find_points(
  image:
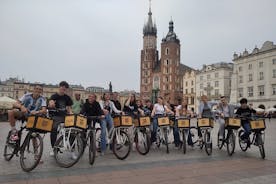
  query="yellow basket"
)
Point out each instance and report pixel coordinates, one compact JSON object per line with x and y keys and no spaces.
{"x":40,"y":124}
{"x":234,"y":123}
{"x":183,"y":123}
{"x":144,"y":121}
{"x":205,"y":122}
{"x":78,"y":121}
{"x":257,"y":124}
{"x":164,"y":121}
{"x":122,"y":121}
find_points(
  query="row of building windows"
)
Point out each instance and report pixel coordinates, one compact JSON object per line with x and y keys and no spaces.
{"x":261,"y":76}
{"x":209,"y":76}
{"x":250,"y":91}
{"x":187,"y":83}
{"x":260,"y":65}
{"x":209,"y":93}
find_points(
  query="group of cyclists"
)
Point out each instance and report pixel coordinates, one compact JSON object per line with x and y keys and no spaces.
{"x":61,"y":104}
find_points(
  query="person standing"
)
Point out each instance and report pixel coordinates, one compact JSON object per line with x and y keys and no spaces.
{"x":77,"y":103}
{"x":61,"y":102}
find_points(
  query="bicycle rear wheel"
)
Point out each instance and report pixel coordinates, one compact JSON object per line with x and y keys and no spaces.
{"x":98,"y":139}
{"x":92,"y":147}
{"x":166,"y":140}
{"x":208,"y":142}
{"x":10,"y":148}
{"x":184,"y":145}
{"x":220,"y":142}
{"x":121,"y":145}
{"x":260,"y":144}
{"x":142,"y":142}
{"x":231,"y":142}
{"x":31,"y":151}
{"x":68,"y":151}
{"x":193,"y":132}
{"x":243,"y":143}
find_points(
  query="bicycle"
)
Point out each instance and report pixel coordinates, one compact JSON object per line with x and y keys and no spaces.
{"x":34,"y":126}
{"x":206,"y":125}
{"x":89,"y":138}
{"x":69,"y":145}
{"x":117,"y":137}
{"x":141,"y":137}
{"x":163,"y":131}
{"x":231,"y":126}
{"x":257,"y":127}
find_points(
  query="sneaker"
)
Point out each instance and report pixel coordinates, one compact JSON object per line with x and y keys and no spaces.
{"x":14,"y":136}
{"x":52,"y":153}
{"x":74,"y":156}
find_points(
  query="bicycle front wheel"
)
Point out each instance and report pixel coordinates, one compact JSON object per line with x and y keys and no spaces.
{"x":92,"y":147}
{"x":31,"y":151}
{"x":166,"y":140}
{"x":68,"y":150}
{"x":121,"y":145}
{"x":220,"y":141}
{"x":208,"y":142}
{"x":243,"y":143}
{"x":142,"y":142}
{"x":231,"y":142}
{"x":184,"y":142}
{"x":260,"y":144}
{"x":10,"y":148}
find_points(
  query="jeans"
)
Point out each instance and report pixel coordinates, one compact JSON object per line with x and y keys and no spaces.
{"x":154,"y":129}
{"x":53,"y":135}
{"x":247,"y":130}
{"x":107,"y":122}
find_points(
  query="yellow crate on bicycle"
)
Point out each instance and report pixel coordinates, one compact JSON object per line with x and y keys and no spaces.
{"x":163,"y":121}
{"x":258,"y":124}
{"x":76,"y":120}
{"x":183,"y":123}
{"x":205,"y":122}
{"x":143,"y":121}
{"x":122,"y":121}
{"x":234,"y":123}
{"x":40,"y":124}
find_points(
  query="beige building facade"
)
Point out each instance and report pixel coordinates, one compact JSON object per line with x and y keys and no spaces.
{"x":254,"y":76}
{"x":189,"y":88}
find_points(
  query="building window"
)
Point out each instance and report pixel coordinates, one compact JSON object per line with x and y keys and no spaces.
{"x":261,"y":75}
{"x":240,"y":91}
{"x":216,"y":75}
{"x":186,"y":91}
{"x":201,"y":86}
{"x":216,"y":92}
{"x":240,"y":79}
{"x":192,"y":83}
{"x":261,"y":64}
{"x":274,"y":61}
{"x":250,"y":91}
{"x":273,"y":89}
{"x":201,"y":78}
{"x":261,"y":90}
{"x":167,"y":70}
{"x":250,"y":66}
{"x":240,"y":69}
{"x":192,"y":100}
{"x":208,"y":84}
{"x":274,"y":73}
{"x":167,"y":51}
{"x":208,"y":76}
{"x":167,"y":79}
{"x":216,"y":83}
{"x":250,"y":77}
{"x":186,"y":83}
{"x":192,"y":90}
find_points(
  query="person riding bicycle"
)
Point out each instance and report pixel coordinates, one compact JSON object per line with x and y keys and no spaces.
{"x":61,"y":102}
{"x":159,"y":109}
{"x":148,"y":107}
{"x":130,"y":106}
{"x":29,"y":104}
{"x":181,"y":111}
{"x":245,"y":113}
{"x":205,"y":111}
{"x":225,"y":111}
{"x":108,"y":107}
{"x":92,"y":108}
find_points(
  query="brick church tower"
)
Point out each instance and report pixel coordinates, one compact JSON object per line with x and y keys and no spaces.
{"x":149,"y":58}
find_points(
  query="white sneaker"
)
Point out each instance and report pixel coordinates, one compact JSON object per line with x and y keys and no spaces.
{"x":74,"y":156}
{"x":52,"y":153}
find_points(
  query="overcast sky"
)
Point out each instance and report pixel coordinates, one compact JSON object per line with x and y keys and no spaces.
{"x":92,"y":42}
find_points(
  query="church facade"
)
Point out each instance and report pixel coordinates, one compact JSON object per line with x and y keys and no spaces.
{"x":161,"y":76}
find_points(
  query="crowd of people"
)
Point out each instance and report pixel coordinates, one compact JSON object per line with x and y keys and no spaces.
{"x":34,"y":103}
